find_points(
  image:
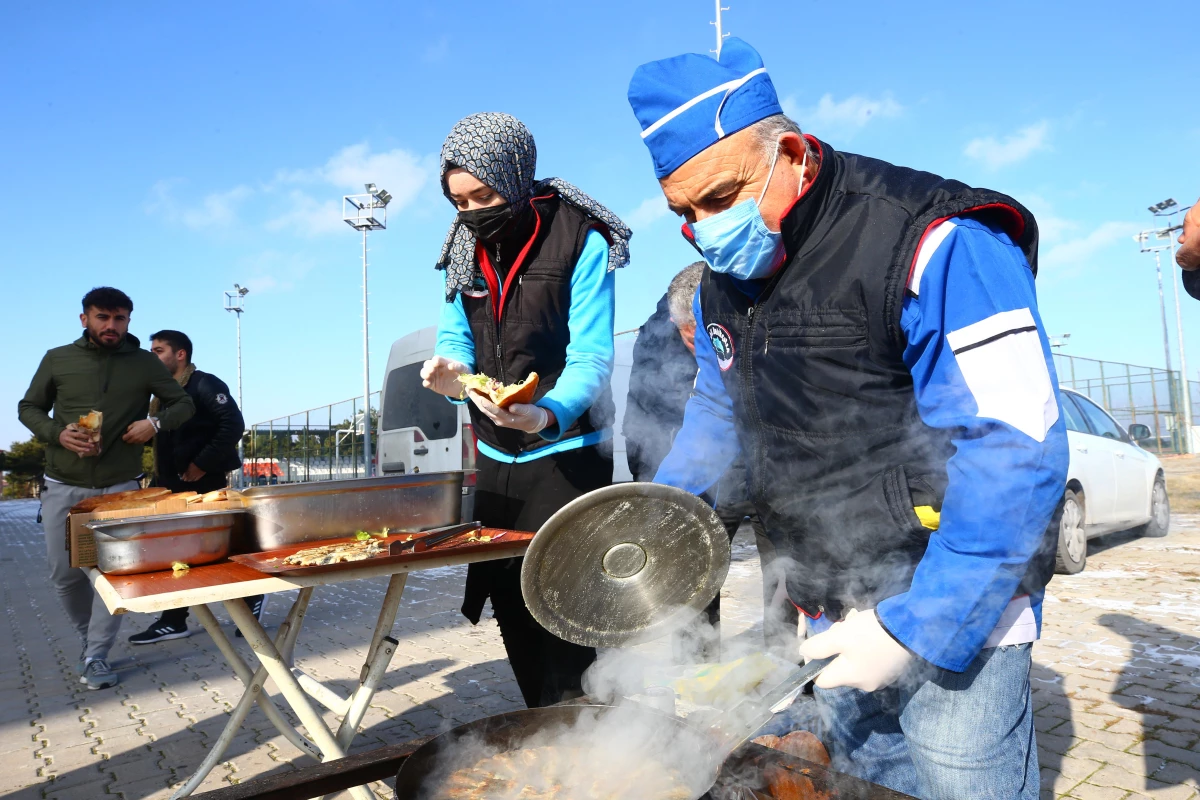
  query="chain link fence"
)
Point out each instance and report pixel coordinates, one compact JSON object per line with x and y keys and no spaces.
{"x":1132,"y":394}
{"x":320,"y":444}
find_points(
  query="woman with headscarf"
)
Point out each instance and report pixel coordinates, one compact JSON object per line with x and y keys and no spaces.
{"x":529,"y":288}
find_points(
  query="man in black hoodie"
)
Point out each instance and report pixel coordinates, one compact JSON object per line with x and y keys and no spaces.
{"x":197,"y":456}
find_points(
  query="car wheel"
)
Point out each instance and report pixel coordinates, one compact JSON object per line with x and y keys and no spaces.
{"x":1072,"y":536}
{"x":1160,"y":511}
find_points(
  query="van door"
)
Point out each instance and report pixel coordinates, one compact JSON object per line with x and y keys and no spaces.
{"x":419,"y":430}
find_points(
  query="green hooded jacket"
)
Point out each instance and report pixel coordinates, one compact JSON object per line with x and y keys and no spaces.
{"x":81,"y":377}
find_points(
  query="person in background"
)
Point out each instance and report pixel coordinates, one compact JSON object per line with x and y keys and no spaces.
{"x":1188,"y":254}
{"x":197,"y":456}
{"x":660,"y":383}
{"x":869,"y":341}
{"x":104,"y":370}
{"x":529,"y":288}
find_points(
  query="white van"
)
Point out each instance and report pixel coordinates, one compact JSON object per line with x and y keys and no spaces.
{"x":420,"y":431}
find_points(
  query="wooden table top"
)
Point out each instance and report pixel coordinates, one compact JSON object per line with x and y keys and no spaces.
{"x":152,"y":592}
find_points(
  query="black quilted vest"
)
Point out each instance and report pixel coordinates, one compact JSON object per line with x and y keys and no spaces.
{"x":826,"y":415}
{"x":521,"y":326}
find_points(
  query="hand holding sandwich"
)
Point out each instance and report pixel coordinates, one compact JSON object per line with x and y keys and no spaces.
{"x":78,"y":441}
{"x":520,"y":416}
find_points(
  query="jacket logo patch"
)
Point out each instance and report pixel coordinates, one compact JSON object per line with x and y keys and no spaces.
{"x":222,"y":399}
{"x":722,"y":344}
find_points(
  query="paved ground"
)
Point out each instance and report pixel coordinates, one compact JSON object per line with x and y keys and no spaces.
{"x":1116,"y":679}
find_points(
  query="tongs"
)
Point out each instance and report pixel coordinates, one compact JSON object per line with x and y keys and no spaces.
{"x":427,"y":539}
{"x":741,"y":722}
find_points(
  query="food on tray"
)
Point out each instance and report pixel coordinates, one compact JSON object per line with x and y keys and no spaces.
{"x":335,"y":553}
{"x":800,"y":744}
{"x":363,"y":536}
{"x":179,"y":568}
{"x":91,"y":503}
{"x":503,"y":395}
{"x":555,"y":772}
{"x":211,"y":497}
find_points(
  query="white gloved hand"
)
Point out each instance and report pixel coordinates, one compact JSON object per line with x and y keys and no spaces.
{"x":520,"y":416}
{"x":868,"y":658}
{"x":441,"y":375}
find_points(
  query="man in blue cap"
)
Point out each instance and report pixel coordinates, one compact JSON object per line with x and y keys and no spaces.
{"x":872,"y":346}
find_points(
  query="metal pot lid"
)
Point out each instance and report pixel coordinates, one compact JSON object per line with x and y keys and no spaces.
{"x":625,"y":564}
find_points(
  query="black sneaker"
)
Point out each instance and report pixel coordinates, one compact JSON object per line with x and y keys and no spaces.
{"x":98,"y":675}
{"x":257,"y":604}
{"x":160,"y":632}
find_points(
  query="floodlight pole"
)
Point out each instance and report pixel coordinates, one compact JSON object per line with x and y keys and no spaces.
{"x":1143,"y":239}
{"x":358,"y":211}
{"x":1175,"y":287}
{"x":235,"y":302}
{"x":720,"y":33}
{"x":367,"y":471}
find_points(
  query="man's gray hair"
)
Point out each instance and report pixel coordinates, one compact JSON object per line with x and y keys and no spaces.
{"x":681,"y":291}
{"x":767,"y":132}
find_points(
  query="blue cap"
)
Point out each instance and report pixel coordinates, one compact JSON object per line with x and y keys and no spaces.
{"x":688,"y":103}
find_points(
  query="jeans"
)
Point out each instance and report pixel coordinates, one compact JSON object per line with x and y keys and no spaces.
{"x":941,"y":735}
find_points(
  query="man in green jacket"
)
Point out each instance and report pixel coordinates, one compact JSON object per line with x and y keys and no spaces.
{"x":104,"y":370}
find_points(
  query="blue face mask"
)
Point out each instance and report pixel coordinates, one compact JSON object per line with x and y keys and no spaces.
{"x":737,"y":242}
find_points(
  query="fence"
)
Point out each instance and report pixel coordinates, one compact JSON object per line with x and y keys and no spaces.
{"x":1132,"y":394}
{"x":325,"y":443}
{"x":320,"y":444}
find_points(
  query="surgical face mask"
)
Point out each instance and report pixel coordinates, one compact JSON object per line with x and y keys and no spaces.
{"x":491,"y":224}
{"x":737,"y":241}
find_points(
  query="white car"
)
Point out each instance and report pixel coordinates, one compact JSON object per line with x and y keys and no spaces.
{"x":1112,"y":484}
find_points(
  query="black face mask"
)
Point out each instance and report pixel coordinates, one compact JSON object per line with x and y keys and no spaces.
{"x":492,"y":224}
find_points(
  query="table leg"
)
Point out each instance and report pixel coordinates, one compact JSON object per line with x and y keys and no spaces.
{"x":387,"y":618}
{"x":285,"y":640}
{"x":277,"y":668}
{"x":285,"y":637}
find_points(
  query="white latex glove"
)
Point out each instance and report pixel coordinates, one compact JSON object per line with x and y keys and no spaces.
{"x":868,"y":658}
{"x":441,"y":375}
{"x":521,"y":416}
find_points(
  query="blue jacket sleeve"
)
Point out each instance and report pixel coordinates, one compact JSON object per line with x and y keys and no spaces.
{"x":590,"y":352}
{"x":982,"y":368}
{"x":454,"y":339}
{"x":707,"y":443}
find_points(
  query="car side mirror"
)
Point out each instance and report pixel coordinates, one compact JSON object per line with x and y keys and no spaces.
{"x":1139,"y":432}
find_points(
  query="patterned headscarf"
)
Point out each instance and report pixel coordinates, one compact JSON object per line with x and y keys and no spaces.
{"x":499,"y":150}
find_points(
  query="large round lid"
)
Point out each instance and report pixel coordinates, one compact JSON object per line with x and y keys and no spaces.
{"x":625,"y":564}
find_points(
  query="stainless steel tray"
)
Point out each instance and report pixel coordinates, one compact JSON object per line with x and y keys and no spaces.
{"x":278,"y":516}
{"x":153,"y":543}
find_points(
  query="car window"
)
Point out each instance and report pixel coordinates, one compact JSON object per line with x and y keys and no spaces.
{"x":1102,"y":424}
{"x":1074,"y":417}
{"x":408,"y":404}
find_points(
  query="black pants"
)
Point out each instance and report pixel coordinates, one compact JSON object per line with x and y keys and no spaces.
{"x":177,"y":617}
{"x":522,"y":497}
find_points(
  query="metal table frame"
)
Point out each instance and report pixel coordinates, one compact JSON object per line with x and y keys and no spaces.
{"x":275,"y":656}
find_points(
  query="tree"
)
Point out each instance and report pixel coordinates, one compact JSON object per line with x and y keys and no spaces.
{"x":25,"y":463}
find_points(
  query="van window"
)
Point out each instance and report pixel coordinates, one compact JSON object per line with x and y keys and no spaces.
{"x":408,"y":404}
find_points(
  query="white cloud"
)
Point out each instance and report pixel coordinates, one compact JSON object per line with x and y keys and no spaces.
{"x":274,"y":271}
{"x":844,"y":117}
{"x":304,"y":215}
{"x":995,"y":153}
{"x":216,"y":210}
{"x":304,"y":201}
{"x":650,"y":211}
{"x":1072,"y":255}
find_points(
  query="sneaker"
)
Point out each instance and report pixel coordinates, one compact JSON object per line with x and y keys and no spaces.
{"x":160,"y":632}
{"x":98,"y":675}
{"x":257,"y":605}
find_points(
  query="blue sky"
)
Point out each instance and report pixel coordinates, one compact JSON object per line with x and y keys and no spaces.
{"x":172,"y":149}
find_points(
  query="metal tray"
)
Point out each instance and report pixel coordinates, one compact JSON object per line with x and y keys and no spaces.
{"x":271,"y":562}
{"x":155,"y":542}
{"x":297,"y":513}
